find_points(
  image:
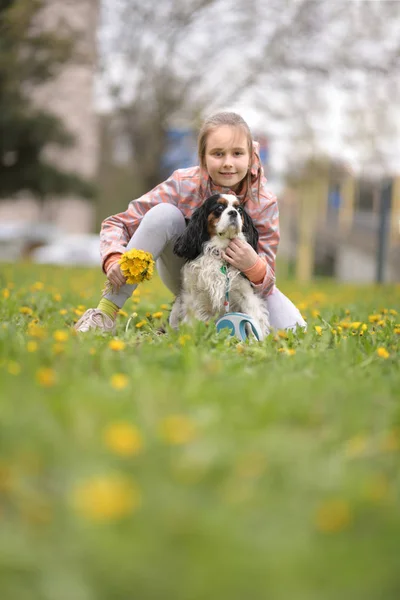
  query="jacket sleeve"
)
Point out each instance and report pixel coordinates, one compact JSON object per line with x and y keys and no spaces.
{"x":117,"y":230}
{"x":267,"y":224}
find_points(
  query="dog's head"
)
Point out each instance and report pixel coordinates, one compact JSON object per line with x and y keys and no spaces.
{"x":221,"y":216}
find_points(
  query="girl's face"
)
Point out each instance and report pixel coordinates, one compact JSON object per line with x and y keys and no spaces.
{"x":227,"y":156}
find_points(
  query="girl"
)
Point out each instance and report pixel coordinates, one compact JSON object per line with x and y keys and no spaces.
{"x":229,"y":163}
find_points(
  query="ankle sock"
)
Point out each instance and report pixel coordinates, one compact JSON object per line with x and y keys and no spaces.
{"x":109,"y":308}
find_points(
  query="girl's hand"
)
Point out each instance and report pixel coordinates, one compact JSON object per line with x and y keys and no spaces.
{"x":240,"y":254}
{"x":115,"y":276}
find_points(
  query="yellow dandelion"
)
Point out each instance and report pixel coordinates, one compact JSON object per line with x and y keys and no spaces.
{"x":26,"y":310}
{"x":315,"y":313}
{"x":140,"y":324}
{"x":382,"y":352}
{"x":397,"y":330}
{"x":123,"y":439}
{"x":177,"y":429}
{"x":6,"y":293}
{"x":381,"y":323}
{"x":37,"y":286}
{"x":164,"y":306}
{"x":58,"y":348}
{"x":183,"y":339}
{"x":37,"y":331}
{"x":333,"y":516}
{"x":92,"y":351}
{"x":122,"y":313}
{"x":356,"y":324}
{"x":391,"y":441}
{"x":119,"y":381}
{"x":116,"y":345}
{"x":106,"y":498}
{"x":57,"y":297}
{"x":60,"y":335}
{"x":63,"y":311}
{"x":373,"y":318}
{"x":318,"y":329}
{"x":137,"y":265}
{"x":392,"y":311}
{"x":31,"y":346}
{"x":283,"y":334}
{"x":13,"y":368}
{"x":356,"y":446}
{"x":78,"y":312}
{"x":46,"y":377}
{"x":157,"y":315}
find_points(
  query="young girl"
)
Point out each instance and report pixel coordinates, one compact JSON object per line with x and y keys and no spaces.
{"x":229,"y":163}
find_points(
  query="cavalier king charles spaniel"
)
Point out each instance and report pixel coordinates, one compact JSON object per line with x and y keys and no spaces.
{"x":207,"y":280}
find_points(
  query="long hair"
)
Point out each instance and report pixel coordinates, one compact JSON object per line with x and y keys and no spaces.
{"x":234,"y":120}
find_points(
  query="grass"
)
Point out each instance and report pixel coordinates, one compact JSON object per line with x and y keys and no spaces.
{"x":188,"y":465}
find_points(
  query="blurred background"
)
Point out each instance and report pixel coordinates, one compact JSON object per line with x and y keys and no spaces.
{"x":100,"y":100}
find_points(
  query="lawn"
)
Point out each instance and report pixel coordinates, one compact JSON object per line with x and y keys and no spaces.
{"x":189,"y":466}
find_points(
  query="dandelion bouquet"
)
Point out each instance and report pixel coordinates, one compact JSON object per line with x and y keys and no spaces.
{"x":136,"y":266}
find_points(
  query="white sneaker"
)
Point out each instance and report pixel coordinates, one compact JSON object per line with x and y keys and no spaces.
{"x":95,"y":319}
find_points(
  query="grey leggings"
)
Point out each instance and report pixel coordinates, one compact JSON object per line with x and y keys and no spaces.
{"x":157,"y":233}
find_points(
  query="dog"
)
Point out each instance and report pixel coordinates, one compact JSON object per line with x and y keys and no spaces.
{"x":208,"y":281}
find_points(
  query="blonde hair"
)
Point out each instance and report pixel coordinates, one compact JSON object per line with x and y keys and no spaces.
{"x":217,"y":120}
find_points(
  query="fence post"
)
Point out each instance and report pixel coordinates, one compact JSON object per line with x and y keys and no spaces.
{"x":384,"y":216}
{"x":306,"y":231}
{"x":346,"y":209}
{"x":395,"y":214}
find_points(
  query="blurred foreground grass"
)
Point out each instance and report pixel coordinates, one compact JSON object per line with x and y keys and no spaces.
{"x":189,"y":466}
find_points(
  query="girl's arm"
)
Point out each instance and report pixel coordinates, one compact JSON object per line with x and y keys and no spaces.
{"x":267,"y":224}
{"x":117,"y":230}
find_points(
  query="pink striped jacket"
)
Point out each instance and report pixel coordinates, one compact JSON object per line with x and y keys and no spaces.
{"x":187,"y":189}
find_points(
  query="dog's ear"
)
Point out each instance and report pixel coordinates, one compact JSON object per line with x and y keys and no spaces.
{"x":249,"y":231}
{"x":189,"y":245}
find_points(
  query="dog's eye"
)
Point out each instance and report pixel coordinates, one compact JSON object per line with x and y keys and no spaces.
{"x":239,"y":209}
{"x":219,"y":209}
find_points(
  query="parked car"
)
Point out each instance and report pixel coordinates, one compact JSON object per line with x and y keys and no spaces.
{"x":18,"y":239}
{"x":77,"y":249}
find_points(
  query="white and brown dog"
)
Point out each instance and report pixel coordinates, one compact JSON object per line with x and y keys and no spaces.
{"x":205,"y":283}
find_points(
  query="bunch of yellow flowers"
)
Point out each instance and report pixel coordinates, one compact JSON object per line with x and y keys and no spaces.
{"x":137,"y":265}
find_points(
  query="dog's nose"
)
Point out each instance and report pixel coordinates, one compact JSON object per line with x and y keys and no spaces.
{"x":232,"y":213}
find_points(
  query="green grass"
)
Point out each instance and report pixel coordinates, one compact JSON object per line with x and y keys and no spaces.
{"x":218,"y":469}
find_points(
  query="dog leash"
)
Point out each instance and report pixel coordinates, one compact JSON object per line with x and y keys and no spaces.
{"x":224,"y":270}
